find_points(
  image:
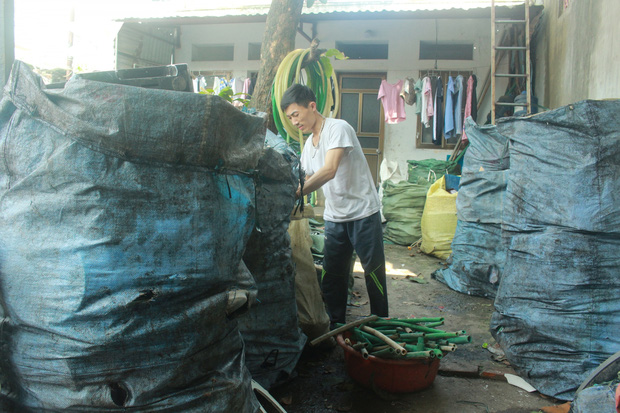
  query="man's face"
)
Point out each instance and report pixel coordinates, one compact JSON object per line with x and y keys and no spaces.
{"x":301,"y":117}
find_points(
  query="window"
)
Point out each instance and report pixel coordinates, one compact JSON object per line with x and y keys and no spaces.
{"x":254,"y":51}
{"x":212,"y":53}
{"x":446,"y":51}
{"x":356,"y":51}
{"x":424,"y":138}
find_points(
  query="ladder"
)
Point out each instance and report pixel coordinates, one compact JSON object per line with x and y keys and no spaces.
{"x":518,"y":46}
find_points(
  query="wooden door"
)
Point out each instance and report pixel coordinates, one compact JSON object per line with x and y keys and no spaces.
{"x":360,"y":107}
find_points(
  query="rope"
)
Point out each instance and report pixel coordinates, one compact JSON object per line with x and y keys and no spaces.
{"x":291,"y":71}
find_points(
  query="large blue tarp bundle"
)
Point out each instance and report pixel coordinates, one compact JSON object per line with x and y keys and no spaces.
{"x":478,"y":257}
{"x":124,"y":214}
{"x":270,"y":329}
{"x":558,"y":304}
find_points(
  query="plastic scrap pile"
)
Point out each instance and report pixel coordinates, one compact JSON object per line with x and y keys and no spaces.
{"x":270,"y":329}
{"x":123,"y":226}
{"x":478,"y":256}
{"x":558,"y":302}
{"x":405,"y":338}
{"x":555,"y":253}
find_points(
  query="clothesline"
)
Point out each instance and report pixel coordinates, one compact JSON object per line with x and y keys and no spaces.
{"x":443,"y":108}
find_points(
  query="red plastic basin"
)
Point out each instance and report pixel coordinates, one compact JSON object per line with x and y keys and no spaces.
{"x":394,"y":376}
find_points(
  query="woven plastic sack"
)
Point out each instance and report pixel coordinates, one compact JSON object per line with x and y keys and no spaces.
{"x":313,"y":318}
{"x":438,"y":221}
{"x":403,"y":204}
{"x":430,"y":170}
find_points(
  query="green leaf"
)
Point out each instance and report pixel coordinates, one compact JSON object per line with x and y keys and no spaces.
{"x":327,"y":66}
{"x":335,"y":53}
{"x":226,"y":93}
{"x":309,"y":3}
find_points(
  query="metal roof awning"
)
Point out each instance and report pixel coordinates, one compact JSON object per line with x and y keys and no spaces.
{"x":202,"y":11}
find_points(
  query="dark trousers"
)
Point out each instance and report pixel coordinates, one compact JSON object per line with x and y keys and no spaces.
{"x":365,"y":236}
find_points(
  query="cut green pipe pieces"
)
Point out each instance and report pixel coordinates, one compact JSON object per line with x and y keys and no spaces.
{"x":428,"y":336}
{"x":413,"y":326}
{"x":434,"y":324}
{"x":459,"y":340}
{"x":421,"y":354}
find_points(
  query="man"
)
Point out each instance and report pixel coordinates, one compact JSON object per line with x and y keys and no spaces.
{"x":333,"y":160}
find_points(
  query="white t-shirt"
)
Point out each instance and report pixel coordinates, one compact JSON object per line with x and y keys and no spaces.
{"x":351,"y":195}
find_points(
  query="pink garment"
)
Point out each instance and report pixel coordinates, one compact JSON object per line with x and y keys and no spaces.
{"x":393,"y":102}
{"x":470,"y":91}
{"x":427,"y":101}
{"x":246,"y":88}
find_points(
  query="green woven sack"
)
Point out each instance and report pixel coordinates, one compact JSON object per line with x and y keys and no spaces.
{"x":403,"y":204}
{"x":430,"y":170}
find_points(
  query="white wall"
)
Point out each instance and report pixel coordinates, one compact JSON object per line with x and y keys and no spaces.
{"x":403,"y":37}
{"x":578,"y":52}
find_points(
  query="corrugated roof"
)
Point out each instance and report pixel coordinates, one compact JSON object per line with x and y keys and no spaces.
{"x":237,"y":8}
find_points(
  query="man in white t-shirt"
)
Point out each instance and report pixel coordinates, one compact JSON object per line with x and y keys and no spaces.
{"x":333,"y":160}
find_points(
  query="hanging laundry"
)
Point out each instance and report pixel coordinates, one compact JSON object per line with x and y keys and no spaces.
{"x":237,"y":85}
{"x":246,"y":88}
{"x":393,"y":103}
{"x":216,"y":85}
{"x":438,"y":114}
{"x":458,"y":105}
{"x":418,"y":96}
{"x":253,"y":78}
{"x":474,"y":100}
{"x":427,"y":101}
{"x":220,"y":83}
{"x":408,"y":93}
{"x":468,"y":104}
{"x":448,"y":129}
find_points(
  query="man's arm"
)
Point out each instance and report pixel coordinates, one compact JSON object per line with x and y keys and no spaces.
{"x":326,"y":173}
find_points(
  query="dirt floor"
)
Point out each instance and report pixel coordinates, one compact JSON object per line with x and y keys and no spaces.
{"x":469,"y":380}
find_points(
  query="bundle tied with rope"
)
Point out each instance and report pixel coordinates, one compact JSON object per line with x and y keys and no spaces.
{"x":319,"y":76}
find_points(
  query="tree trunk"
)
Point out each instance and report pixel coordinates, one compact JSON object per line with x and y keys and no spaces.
{"x":278,"y":41}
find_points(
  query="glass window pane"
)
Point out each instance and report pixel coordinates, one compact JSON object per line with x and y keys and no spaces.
{"x":363,"y":50}
{"x":371,"y":113}
{"x":349,"y":108}
{"x":372,"y":83}
{"x":427,"y":133}
{"x":369,"y":142}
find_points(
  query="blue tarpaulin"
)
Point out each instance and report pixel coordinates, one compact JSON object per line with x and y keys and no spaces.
{"x":124,"y":214}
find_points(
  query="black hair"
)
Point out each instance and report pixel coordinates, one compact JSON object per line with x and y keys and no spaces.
{"x":299,"y":94}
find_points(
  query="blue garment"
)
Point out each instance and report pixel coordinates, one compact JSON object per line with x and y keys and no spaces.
{"x":458,"y":107}
{"x":448,"y":127}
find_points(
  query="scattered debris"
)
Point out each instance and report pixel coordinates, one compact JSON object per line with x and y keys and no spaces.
{"x":417,"y":279}
{"x":561,"y":408}
{"x":519,"y":382}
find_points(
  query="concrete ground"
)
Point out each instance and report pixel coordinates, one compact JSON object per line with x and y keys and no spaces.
{"x":469,"y":379}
